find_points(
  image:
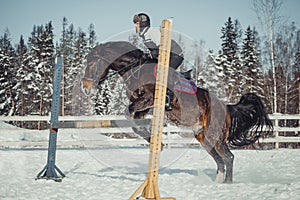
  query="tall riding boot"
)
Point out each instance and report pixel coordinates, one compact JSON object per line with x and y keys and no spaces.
{"x":169,"y":99}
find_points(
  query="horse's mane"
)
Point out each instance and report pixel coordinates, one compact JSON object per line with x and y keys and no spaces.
{"x":111,"y":51}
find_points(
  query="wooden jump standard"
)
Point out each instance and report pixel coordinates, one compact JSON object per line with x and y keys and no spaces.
{"x":150,"y":185}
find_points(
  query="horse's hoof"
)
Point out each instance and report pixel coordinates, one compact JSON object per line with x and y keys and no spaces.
{"x":227,"y":181}
{"x":220,"y":177}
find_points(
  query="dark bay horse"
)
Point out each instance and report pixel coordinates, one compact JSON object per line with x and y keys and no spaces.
{"x":216,"y":125}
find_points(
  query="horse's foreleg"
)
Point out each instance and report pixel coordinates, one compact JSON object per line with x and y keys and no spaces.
{"x":214,"y":154}
{"x":142,"y":131}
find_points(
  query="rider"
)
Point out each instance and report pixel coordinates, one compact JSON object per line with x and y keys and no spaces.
{"x":151,"y":39}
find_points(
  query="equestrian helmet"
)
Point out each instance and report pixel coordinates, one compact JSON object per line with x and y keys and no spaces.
{"x":143,"y":19}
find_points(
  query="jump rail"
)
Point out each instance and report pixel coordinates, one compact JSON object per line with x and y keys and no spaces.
{"x":119,"y":123}
{"x":102,"y":124}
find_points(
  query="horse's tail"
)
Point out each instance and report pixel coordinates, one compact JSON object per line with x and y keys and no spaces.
{"x":248,"y":117}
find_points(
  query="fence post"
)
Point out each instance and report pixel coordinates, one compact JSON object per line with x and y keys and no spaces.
{"x":168,"y":139}
{"x":49,"y":171}
{"x":276,"y":133}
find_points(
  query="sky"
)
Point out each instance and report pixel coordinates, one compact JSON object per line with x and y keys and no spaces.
{"x":197,"y":19}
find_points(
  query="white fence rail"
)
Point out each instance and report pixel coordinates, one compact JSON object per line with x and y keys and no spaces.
{"x":278,"y":129}
{"x":172,"y":129}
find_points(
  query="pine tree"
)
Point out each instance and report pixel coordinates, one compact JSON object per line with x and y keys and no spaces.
{"x":45,"y":68}
{"x":253,"y":77}
{"x":79,"y":62}
{"x":21,"y":74}
{"x":7,"y":70}
{"x":110,"y":98}
{"x":102,"y":98}
{"x":92,"y":39}
{"x":118,"y":101}
{"x":31,"y":59}
{"x":212,"y":79}
{"x":67,"y":50}
{"x":39,"y":75}
{"x":230,"y":59}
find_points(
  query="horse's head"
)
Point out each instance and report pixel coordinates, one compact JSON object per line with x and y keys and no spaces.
{"x":117,"y":56}
{"x":89,"y":79}
{"x":91,"y":73}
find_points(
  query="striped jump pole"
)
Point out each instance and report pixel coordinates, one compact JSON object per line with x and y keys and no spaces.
{"x":149,"y":187}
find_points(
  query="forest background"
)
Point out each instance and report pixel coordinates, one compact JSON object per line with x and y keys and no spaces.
{"x":247,"y":61}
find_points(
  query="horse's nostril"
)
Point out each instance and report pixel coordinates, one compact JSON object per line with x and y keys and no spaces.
{"x":130,"y":110}
{"x":86,"y":91}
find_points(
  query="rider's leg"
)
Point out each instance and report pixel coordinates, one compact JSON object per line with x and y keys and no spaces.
{"x":169,"y":99}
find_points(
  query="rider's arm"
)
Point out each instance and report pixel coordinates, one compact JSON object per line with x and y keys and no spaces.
{"x":152,"y":40}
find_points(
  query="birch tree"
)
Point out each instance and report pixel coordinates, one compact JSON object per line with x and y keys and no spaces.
{"x":268,"y":15}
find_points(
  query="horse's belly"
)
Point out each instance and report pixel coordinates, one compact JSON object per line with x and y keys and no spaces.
{"x":185,"y":117}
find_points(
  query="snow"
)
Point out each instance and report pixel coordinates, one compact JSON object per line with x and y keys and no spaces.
{"x":113,"y":169}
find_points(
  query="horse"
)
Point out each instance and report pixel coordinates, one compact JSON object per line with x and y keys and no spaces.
{"x":216,"y":126}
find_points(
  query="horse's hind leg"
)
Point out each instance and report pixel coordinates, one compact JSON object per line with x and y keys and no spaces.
{"x":228,"y":157}
{"x":214,"y":154}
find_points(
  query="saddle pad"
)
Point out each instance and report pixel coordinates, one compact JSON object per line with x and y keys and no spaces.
{"x":187,"y":86}
{"x":183,"y":85}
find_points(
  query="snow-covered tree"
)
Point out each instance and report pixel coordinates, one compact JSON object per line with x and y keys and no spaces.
{"x":39,"y":74}
{"x":102,"y":98}
{"x":252,"y":71}
{"x":67,"y":50}
{"x":75,"y":45}
{"x":230,"y":59}
{"x":79,"y":63}
{"x":92,"y":39}
{"x":45,"y":68}
{"x":21,"y":75}
{"x":110,"y":98}
{"x":7,"y":80}
{"x":212,"y":76}
{"x":119,"y":100}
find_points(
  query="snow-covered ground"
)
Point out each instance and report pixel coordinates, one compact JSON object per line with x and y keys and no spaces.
{"x":114,"y":170}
